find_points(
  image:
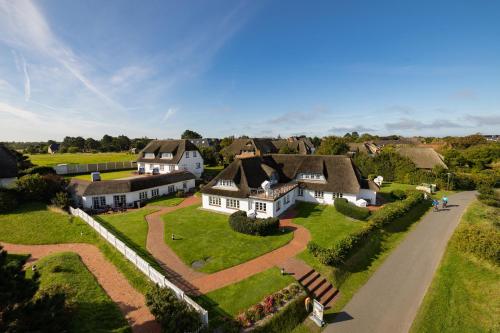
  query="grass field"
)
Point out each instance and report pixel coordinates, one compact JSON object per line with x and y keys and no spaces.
{"x":94,"y":310}
{"x":80,"y":158}
{"x":387,"y":187}
{"x":235,"y":298}
{"x":359,"y":268}
{"x":206,"y":236}
{"x":465,"y":293}
{"x":108,"y":175}
{"x":168,"y":201}
{"x":35,"y":224}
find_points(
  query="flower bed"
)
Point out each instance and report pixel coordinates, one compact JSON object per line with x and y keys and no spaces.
{"x":259,"y":314}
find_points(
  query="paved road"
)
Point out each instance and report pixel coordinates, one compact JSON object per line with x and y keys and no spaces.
{"x":389,"y":301}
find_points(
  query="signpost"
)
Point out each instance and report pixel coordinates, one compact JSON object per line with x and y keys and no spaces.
{"x":317,"y":313}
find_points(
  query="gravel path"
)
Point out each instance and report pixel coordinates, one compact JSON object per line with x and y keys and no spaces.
{"x":389,"y":301}
{"x":131,"y":302}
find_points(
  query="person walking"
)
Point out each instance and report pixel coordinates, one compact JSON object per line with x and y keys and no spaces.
{"x":435,"y":203}
{"x":445,"y":201}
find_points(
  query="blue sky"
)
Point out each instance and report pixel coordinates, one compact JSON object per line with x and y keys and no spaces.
{"x":260,"y":68}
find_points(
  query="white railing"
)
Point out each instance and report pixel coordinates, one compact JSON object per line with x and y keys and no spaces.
{"x":155,"y":276}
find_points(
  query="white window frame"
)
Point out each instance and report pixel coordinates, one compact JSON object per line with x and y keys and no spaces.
{"x":260,"y":206}
{"x":338,"y":195}
{"x":319,"y":194}
{"x":162,"y":167}
{"x":184,"y":185}
{"x":119,"y":200}
{"x":198,"y":165}
{"x":101,"y":202}
{"x":214,"y":201}
{"x":143,"y":195}
{"x":194,"y":153}
{"x":171,"y":167}
{"x":171,"y":188}
{"x":300,"y":192}
{"x":155,"y":192}
{"x":286,"y":199}
{"x":226,"y":183}
{"x":278,"y":205}
{"x":187,"y":154}
{"x":232,"y":203}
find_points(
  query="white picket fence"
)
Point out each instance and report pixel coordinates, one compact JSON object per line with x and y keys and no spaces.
{"x":140,"y":263}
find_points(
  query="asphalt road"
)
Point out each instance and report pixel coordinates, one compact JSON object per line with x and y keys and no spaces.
{"x":389,"y":301}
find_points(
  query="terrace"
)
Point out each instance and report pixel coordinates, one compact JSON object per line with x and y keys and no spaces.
{"x":274,"y":193}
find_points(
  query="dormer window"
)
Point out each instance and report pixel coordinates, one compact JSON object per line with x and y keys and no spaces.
{"x":310,"y":176}
{"x":194,"y":153}
{"x":167,"y":156}
{"x":149,"y":155}
{"x":225,"y":183}
{"x":187,"y":154}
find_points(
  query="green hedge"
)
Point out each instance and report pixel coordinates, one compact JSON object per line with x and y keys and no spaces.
{"x":480,"y":240}
{"x":351,"y":210}
{"x":8,"y":200}
{"x":241,"y":223}
{"x":287,"y":318}
{"x":344,"y":247}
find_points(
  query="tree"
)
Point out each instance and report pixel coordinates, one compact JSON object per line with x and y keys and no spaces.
{"x":20,"y":310}
{"x":287,"y":150}
{"x":226,"y":142}
{"x":91,"y":144}
{"x":173,"y":315}
{"x":210,"y":156}
{"x":333,"y":145}
{"x":316,"y":142}
{"x":188,"y":134}
{"x":40,"y":188}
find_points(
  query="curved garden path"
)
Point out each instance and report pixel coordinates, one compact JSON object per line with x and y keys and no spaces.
{"x":194,"y":282}
{"x":131,"y":302}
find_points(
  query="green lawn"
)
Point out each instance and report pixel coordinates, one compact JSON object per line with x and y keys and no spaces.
{"x":203,"y":235}
{"x":108,"y":175}
{"x":235,"y":298}
{"x":80,"y":158}
{"x":34,"y":224}
{"x":387,"y":187}
{"x":94,"y":310}
{"x":167,"y":201}
{"x":465,"y":293}
{"x":325,"y":223}
{"x":359,"y":268}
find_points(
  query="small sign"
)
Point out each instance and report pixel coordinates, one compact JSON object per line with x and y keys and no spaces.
{"x":317,"y":313}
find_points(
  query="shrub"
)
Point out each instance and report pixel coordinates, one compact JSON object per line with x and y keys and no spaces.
{"x":286,"y":319}
{"x":259,"y":311}
{"x":8,"y":200}
{"x":73,"y":150}
{"x":180,"y":194}
{"x":61,"y":200}
{"x":239,"y":222}
{"x":351,"y":210}
{"x":269,"y":304}
{"x":488,"y":196}
{"x":398,"y":194}
{"x":172,"y":314}
{"x":40,"y":188}
{"x":481,"y":240}
{"x":41,"y":170}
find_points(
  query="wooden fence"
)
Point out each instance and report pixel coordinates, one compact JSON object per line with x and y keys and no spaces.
{"x":69,"y":169}
{"x":140,"y":263}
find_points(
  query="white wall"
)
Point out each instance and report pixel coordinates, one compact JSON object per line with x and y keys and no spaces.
{"x":188,"y":164}
{"x":244,"y":204}
{"x":131,"y":197}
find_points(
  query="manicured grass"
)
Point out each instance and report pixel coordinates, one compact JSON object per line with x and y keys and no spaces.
{"x":325,"y":223}
{"x":464,"y":295}
{"x":108,"y":175}
{"x":34,"y":224}
{"x":203,"y":235}
{"x":351,"y":276}
{"x":167,"y":201}
{"x":236,"y":298}
{"x":93,"y":311}
{"x":80,"y":158}
{"x":131,"y":225}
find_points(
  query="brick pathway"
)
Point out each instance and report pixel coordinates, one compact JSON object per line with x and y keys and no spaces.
{"x":194,"y":282}
{"x":131,"y":302}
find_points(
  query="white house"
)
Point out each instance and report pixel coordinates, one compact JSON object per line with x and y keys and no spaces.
{"x":8,"y":168}
{"x":129,"y":192}
{"x":166,"y":156}
{"x":269,"y":185}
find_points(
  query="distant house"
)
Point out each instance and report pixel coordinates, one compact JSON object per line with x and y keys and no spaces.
{"x":424,"y":158}
{"x":129,"y":192}
{"x":166,"y":156}
{"x":205,"y":142}
{"x":260,"y":147}
{"x":268,"y":185}
{"x":53,"y":148}
{"x":492,"y":137}
{"x":8,"y":167}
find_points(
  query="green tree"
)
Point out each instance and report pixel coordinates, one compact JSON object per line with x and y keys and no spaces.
{"x":189,"y":134}
{"x":91,"y":144}
{"x":173,"y":315}
{"x":287,"y":150}
{"x":226,"y":142}
{"x":333,"y":145}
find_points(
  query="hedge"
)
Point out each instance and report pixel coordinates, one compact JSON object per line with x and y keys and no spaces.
{"x":41,"y":170}
{"x":287,"y":318}
{"x":344,"y":247}
{"x":239,"y":222}
{"x":480,"y":240}
{"x":8,"y":200}
{"x":351,"y":210}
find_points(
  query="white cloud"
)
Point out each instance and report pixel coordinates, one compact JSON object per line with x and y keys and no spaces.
{"x":27,"y":81}
{"x":170,"y":112}
{"x":130,"y":73}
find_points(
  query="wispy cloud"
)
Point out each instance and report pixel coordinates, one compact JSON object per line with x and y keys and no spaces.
{"x":484,"y":120}
{"x":170,"y":112}
{"x":27,"y":82}
{"x":130,"y":73}
{"x":346,"y":129}
{"x":464,"y":94}
{"x":413,"y":124}
{"x":299,"y":116}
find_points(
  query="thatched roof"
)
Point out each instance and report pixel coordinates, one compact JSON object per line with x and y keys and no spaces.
{"x":157,"y":147}
{"x":341,"y":174}
{"x":8,"y":163}
{"x":424,"y":158}
{"x":269,"y":146}
{"x":128,"y":185}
